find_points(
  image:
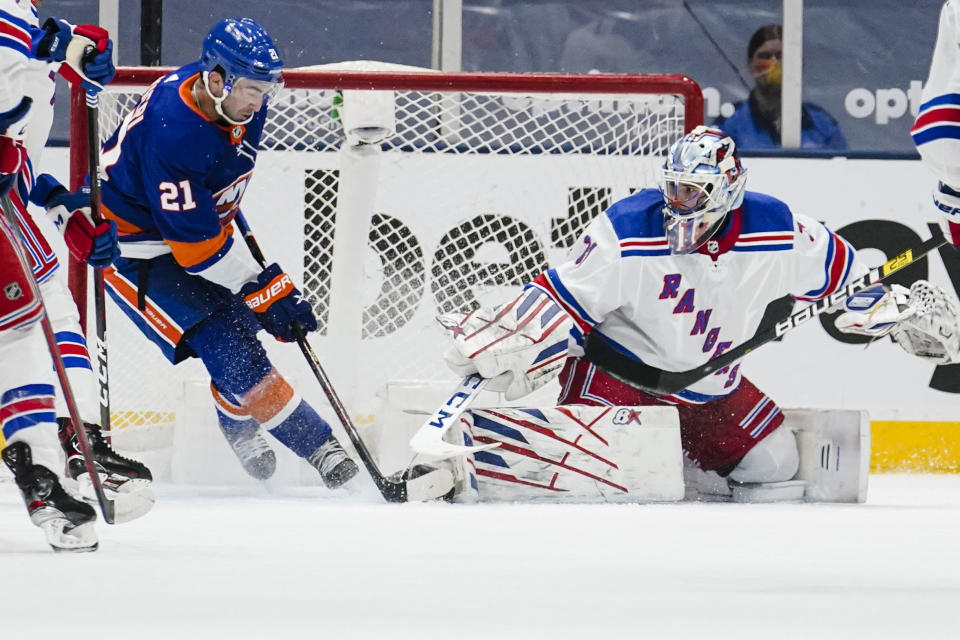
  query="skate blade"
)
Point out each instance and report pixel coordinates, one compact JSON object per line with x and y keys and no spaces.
{"x":62,"y":538}
{"x":430,"y":486}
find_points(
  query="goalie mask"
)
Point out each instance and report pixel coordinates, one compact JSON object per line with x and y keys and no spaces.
{"x":245,"y":54}
{"x":701,"y":182}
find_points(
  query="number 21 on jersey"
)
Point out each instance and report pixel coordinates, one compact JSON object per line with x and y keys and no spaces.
{"x":173,"y":194}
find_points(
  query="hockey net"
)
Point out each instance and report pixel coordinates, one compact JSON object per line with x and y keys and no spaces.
{"x":479,"y":183}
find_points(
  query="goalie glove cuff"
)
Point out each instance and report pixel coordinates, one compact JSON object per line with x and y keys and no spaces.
{"x":875,"y":311}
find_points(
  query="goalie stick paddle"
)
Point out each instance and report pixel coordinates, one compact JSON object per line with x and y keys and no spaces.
{"x":651,"y":379}
{"x":429,"y":486}
{"x":107,"y":507}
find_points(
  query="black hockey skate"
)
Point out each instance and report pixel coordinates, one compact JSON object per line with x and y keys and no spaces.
{"x":253,"y":451}
{"x":66,"y":521}
{"x":335,"y":466}
{"x":125,"y":481}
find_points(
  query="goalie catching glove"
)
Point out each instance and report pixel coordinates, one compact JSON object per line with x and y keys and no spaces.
{"x":921,"y":319}
{"x":521,"y":345}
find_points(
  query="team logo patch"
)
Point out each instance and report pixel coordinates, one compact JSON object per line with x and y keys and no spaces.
{"x":13,"y":291}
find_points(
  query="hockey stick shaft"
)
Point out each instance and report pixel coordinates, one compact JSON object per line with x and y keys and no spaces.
{"x":106,"y":505}
{"x":651,"y":379}
{"x":391,"y":491}
{"x":99,"y":299}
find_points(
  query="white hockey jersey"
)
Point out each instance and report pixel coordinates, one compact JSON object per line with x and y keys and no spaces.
{"x":675,"y":312}
{"x":23,"y":75}
{"x":936,"y":131}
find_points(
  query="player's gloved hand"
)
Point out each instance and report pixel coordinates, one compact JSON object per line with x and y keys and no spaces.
{"x":521,"y":345}
{"x":96,"y":244}
{"x":278,"y":304}
{"x":922,"y":319}
{"x":85,"y":49}
{"x":947,"y":200}
{"x":13,"y":155}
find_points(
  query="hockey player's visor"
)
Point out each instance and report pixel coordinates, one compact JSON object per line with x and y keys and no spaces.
{"x":253,"y":90}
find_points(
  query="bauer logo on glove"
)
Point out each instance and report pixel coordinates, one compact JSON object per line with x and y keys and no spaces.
{"x":279,"y":287}
{"x":277,"y":304}
{"x":520,"y":346}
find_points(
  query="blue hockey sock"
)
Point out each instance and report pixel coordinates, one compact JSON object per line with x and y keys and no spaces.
{"x":303,"y":431}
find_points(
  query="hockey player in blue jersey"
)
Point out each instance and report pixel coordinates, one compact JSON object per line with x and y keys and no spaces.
{"x":175,"y":172}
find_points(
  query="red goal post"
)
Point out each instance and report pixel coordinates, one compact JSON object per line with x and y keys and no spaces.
{"x":479,"y":182}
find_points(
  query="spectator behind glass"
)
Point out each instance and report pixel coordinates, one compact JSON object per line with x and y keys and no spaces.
{"x":755,"y":122}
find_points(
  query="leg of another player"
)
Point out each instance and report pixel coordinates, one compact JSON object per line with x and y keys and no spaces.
{"x":30,"y":432}
{"x":119,"y":474}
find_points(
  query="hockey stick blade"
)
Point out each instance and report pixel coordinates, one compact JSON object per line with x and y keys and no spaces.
{"x":430,"y":486}
{"x":428,"y":440}
{"x":631,"y":371}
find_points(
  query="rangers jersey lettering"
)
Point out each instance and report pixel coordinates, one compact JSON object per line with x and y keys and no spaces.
{"x":676,"y":312}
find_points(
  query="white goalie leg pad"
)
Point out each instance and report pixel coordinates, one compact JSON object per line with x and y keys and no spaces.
{"x":573,"y":453}
{"x":834,"y":450}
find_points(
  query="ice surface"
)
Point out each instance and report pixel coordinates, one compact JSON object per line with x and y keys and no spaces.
{"x":309,"y":564}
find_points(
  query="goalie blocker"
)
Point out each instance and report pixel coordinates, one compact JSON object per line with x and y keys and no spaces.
{"x":579,"y":453}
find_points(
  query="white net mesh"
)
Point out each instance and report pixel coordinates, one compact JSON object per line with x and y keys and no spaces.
{"x":470,"y":195}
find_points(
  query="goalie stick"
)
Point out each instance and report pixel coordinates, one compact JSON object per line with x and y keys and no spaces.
{"x":107,"y":506}
{"x":432,"y":485}
{"x":651,"y":379}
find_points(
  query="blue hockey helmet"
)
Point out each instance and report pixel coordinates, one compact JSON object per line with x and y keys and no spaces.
{"x":243,"y":49}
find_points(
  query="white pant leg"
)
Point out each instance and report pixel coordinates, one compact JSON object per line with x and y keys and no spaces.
{"x":65,"y":319}
{"x":27,"y":394}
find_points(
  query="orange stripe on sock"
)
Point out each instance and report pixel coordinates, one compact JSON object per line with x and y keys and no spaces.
{"x":234,"y":411}
{"x":268,"y":398}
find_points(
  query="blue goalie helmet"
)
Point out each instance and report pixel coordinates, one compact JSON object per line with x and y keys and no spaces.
{"x":701,"y":181}
{"x":243,"y":49}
